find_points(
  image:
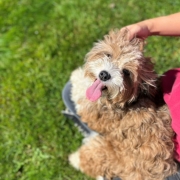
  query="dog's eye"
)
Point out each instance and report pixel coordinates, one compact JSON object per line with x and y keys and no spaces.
{"x":108,"y":55}
{"x":126,"y":72}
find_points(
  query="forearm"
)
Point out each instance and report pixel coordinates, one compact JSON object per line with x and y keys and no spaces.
{"x":164,"y":26}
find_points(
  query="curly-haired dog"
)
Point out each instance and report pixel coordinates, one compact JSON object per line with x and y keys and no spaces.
{"x":115,"y":95}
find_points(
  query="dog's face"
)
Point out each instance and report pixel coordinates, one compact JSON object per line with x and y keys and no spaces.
{"x":118,"y":69}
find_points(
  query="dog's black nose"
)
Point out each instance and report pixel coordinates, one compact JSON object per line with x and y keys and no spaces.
{"x":104,"y":76}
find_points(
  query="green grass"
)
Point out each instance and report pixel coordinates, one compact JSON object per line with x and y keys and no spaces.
{"x":41,"y":42}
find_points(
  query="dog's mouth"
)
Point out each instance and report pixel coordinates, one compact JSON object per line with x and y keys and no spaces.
{"x":104,"y":88}
{"x":94,"y":92}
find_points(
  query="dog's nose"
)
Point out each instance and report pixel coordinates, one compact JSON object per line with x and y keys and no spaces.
{"x":104,"y":76}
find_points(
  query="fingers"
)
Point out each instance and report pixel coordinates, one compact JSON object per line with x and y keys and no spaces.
{"x":132,"y":31}
{"x":136,"y":30}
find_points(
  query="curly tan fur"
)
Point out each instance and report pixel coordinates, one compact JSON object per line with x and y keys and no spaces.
{"x":135,"y":135}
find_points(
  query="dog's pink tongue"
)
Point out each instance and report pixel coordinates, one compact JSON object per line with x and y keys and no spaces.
{"x":93,"y":93}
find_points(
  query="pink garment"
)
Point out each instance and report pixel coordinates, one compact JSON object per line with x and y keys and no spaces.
{"x":171,"y":94}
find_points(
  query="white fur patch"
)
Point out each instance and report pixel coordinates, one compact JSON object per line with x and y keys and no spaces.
{"x":116,"y":80}
{"x":74,"y":160}
{"x":99,"y":178}
{"x":104,"y":64}
{"x":80,"y":85}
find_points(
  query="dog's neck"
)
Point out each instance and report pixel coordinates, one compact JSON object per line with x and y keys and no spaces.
{"x":123,"y":106}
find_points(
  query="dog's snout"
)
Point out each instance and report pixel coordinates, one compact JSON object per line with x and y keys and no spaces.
{"x":104,"y":76}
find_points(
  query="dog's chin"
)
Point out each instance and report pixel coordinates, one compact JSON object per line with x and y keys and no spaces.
{"x":119,"y":98}
{"x":105,"y":90}
{"x":113,"y":95}
{"x":105,"y":93}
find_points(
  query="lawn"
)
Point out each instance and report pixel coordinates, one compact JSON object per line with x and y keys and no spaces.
{"x":41,"y":42}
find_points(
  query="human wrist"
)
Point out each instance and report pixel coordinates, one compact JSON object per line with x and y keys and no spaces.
{"x":155,"y":25}
{"x":145,"y":27}
{"x":148,"y":26}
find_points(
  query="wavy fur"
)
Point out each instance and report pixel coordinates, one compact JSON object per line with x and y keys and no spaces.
{"x":135,"y":135}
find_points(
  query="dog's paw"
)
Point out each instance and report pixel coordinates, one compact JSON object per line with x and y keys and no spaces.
{"x":99,"y":178}
{"x":74,"y":160}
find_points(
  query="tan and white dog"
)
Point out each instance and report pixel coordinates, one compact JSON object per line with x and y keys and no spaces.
{"x":115,"y":94}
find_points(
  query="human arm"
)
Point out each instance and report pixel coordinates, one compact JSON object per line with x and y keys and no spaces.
{"x":163,"y":26}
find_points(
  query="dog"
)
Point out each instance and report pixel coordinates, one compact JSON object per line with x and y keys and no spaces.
{"x":115,"y":94}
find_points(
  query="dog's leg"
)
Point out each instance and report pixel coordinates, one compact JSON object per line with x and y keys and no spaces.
{"x":95,"y":158}
{"x":74,"y":160}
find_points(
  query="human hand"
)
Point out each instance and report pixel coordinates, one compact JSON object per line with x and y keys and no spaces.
{"x":140,"y":30}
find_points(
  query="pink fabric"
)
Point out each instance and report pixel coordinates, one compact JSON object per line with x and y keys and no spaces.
{"x":171,"y":94}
